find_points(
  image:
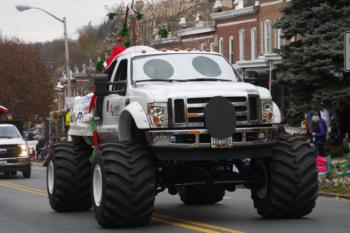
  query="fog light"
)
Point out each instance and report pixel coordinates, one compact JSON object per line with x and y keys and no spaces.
{"x":172,"y":139}
{"x":261,"y":136}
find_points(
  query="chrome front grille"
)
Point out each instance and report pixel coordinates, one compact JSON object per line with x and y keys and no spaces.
{"x":11,"y":151}
{"x":190,"y":112}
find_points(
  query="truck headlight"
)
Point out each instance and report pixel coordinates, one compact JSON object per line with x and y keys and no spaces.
{"x":266,"y":111}
{"x":24,"y":151}
{"x":158,"y":115}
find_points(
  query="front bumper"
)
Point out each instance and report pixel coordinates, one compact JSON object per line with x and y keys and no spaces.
{"x":199,"y":138}
{"x":195,"y":145}
{"x":14,"y":164}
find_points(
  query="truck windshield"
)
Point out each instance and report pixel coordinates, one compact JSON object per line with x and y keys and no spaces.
{"x":9,"y":132}
{"x":183,"y":67}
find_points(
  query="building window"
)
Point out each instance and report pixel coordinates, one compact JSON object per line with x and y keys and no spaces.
{"x":231,"y":50}
{"x":211,"y":47}
{"x":280,"y":40}
{"x":268,"y":36}
{"x":221,"y":45}
{"x":241,"y":45}
{"x":253,"y":43}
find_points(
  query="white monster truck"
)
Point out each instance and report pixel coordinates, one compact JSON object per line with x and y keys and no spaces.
{"x":182,"y":121}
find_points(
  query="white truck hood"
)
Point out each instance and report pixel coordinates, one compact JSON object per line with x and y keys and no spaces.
{"x":11,"y":141}
{"x":161,"y":91}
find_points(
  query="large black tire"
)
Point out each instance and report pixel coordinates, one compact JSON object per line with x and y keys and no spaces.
{"x":201,"y":194}
{"x":123,"y":185}
{"x":287,"y":183}
{"x":70,"y":170}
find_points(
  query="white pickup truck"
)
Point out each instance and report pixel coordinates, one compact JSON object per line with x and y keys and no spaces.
{"x":14,"y":153}
{"x":182,"y":121}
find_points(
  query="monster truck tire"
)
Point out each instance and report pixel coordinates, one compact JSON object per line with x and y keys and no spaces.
{"x":201,"y":195}
{"x":68,"y":177}
{"x":123,"y":185}
{"x":291,"y":186}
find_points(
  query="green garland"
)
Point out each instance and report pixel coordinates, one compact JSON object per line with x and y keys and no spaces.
{"x":111,"y":15}
{"x":99,"y":65}
{"x":124,"y":32}
{"x":163,"y":32}
{"x":139,"y":16}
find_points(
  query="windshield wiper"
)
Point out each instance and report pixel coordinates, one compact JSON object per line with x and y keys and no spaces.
{"x":206,"y":79}
{"x":6,"y":137}
{"x":159,"y":80}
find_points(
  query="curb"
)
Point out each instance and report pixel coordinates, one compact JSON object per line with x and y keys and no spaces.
{"x":334,"y":195}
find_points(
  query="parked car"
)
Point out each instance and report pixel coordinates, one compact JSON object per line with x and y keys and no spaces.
{"x":14,"y":152}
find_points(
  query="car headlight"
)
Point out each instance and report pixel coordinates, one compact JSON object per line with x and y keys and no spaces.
{"x":158,"y":115}
{"x":24,"y":151}
{"x":266,"y":111}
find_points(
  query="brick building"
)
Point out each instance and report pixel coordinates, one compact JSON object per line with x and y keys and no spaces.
{"x":244,"y":33}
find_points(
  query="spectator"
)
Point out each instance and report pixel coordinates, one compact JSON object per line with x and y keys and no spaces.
{"x":319,"y":133}
{"x":40,"y":149}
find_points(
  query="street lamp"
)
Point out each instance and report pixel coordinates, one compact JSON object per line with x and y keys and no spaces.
{"x":64,"y":21}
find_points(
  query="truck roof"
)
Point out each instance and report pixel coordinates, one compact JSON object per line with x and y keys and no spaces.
{"x":6,"y":125}
{"x":145,"y":50}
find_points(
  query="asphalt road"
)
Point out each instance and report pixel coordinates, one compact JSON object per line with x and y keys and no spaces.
{"x":24,"y":208}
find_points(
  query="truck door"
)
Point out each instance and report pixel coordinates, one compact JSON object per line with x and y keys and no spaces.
{"x":114,"y":103}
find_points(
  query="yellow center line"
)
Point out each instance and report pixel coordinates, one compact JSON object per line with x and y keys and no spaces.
{"x":23,"y":188}
{"x":182,"y":223}
{"x":196,"y":223}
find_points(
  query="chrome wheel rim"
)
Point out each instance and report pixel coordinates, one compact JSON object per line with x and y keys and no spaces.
{"x":50,"y":177}
{"x":97,"y":185}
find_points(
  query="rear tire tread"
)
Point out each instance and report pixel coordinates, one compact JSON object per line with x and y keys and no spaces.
{"x":72,"y":177}
{"x":293,"y":187}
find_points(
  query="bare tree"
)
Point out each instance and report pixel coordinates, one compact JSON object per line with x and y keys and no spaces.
{"x":25,"y":85}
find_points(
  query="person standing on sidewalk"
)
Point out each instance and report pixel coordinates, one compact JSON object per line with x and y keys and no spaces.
{"x":319,"y":133}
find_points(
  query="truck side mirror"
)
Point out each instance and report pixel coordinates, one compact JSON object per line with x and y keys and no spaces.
{"x":101,"y":82}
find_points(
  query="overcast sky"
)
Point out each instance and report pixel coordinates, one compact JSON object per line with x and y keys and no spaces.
{"x":36,"y":26}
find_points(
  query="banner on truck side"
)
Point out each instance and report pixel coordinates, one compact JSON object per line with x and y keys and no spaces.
{"x":80,"y":118}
